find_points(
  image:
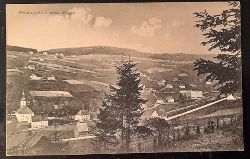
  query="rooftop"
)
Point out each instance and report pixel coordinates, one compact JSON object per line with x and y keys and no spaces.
{"x":39,"y":118}
{"x":74,"y":82}
{"x":24,"y":110}
{"x":225,"y":112}
{"x":50,"y":94}
{"x":83,"y":112}
{"x":23,"y":138}
{"x":81,"y":127}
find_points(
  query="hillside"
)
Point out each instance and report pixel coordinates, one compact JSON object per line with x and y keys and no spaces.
{"x":182,"y":56}
{"x":20,"y":49}
{"x":108,"y":50}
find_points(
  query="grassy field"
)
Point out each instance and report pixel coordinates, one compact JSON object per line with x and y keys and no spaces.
{"x":97,"y":71}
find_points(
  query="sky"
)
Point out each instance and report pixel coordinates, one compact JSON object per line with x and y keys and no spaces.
{"x":148,"y":27}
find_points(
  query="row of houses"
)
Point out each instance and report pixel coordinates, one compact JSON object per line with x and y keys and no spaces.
{"x":47,"y":77}
{"x":25,"y":114}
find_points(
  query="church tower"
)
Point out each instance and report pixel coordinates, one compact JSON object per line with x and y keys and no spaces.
{"x":23,"y":101}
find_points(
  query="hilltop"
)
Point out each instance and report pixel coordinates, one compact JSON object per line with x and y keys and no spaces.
{"x":20,"y":49}
{"x":108,"y":50}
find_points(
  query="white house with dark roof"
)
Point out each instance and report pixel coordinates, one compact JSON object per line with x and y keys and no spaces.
{"x":182,"y":86}
{"x":24,"y":114}
{"x":39,"y":122}
{"x":196,"y":94}
{"x":170,"y":99}
{"x":82,"y":115}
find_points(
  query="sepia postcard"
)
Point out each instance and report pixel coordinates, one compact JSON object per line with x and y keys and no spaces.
{"x":111,"y":78}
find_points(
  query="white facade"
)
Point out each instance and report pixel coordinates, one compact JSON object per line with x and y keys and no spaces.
{"x":24,"y":117}
{"x":155,"y":115}
{"x":39,"y":124}
{"x":82,"y":116}
{"x":196,"y":94}
{"x":182,"y":86}
{"x":51,"y":78}
{"x":208,"y":83}
{"x":170,"y":100}
{"x":31,"y":67}
{"x":231,"y":97}
{"x":34,"y":77}
{"x":144,"y":106}
{"x":160,"y":101}
{"x":24,"y":114}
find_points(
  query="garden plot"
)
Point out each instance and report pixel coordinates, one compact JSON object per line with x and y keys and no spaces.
{"x":158,"y":69}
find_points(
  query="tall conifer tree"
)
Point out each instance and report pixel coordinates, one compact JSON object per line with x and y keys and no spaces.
{"x":126,"y":98}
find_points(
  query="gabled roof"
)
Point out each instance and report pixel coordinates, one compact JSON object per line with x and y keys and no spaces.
{"x":169,"y":97}
{"x":50,"y":94}
{"x":15,"y":140}
{"x":39,"y":118}
{"x":83,"y":112}
{"x":24,"y":110}
{"x":33,"y":140}
{"x":23,"y":138}
{"x":81,"y":127}
{"x":155,"y":114}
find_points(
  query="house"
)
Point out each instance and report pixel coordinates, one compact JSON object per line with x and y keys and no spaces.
{"x":45,"y":53}
{"x":182,"y":86}
{"x":160,"y":101}
{"x":183,"y":75}
{"x":169,"y":85}
{"x":40,"y":59}
{"x":24,"y":114}
{"x":147,"y":90}
{"x":39,"y":122}
{"x":192,"y":94}
{"x":170,"y":99}
{"x":231,"y":97}
{"x":154,"y":115}
{"x":175,"y":79}
{"x":81,"y":129}
{"x":184,"y":92}
{"x":31,"y":67}
{"x":192,"y":85}
{"x":196,"y":94}
{"x":208,"y":83}
{"x":82,"y":115}
{"x":35,"y":77}
{"x":144,"y":106}
{"x":27,"y":143}
{"x":51,"y":78}
{"x":60,"y":55}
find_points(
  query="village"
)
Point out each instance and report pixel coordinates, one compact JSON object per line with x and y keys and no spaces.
{"x":51,"y":112}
